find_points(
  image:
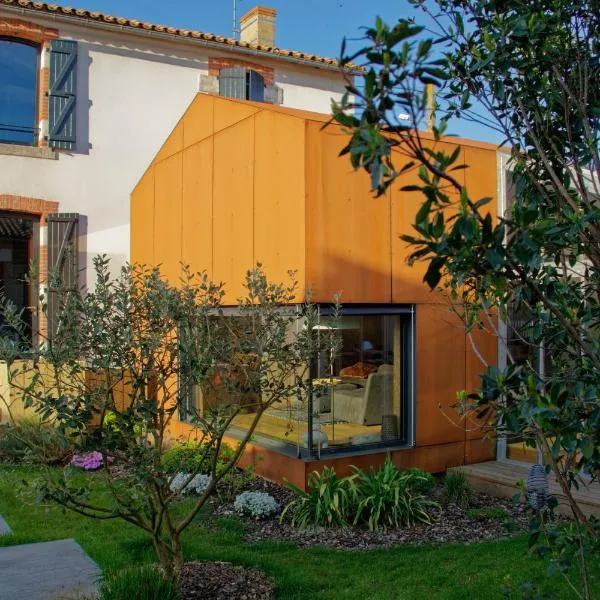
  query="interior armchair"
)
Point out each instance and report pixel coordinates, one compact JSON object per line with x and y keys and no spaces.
{"x":365,"y":405}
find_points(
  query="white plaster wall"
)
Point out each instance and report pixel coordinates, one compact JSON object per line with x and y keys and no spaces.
{"x":131,"y":93}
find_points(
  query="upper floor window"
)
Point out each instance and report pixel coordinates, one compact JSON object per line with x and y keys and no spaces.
{"x":242,"y":83}
{"x":18,"y":92}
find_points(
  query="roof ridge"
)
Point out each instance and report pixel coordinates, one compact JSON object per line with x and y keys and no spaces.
{"x":177,"y":32}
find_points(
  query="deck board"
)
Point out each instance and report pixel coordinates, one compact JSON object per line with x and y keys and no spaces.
{"x":500,"y":478}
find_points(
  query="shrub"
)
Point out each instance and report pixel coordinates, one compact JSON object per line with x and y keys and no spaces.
{"x":256,"y":504}
{"x":31,"y":441}
{"x":328,"y":501}
{"x":234,"y":482}
{"x":487,"y":513}
{"x":421,"y":481}
{"x":386,"y":499}
{"x":191,"y":456}
{"x":197,"y":485}
{"x":457,"y":489}
{"x":141,"y":583}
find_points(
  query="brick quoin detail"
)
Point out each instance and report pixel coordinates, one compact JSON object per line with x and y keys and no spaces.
{"x":32,"y":206}
{"x":42,"y":36}
{"x":41,"y":209}
{"x":215,"y":64}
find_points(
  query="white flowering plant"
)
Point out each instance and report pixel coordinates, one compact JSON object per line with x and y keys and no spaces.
{"x":256,"y":504}
{"x":186,"y":484}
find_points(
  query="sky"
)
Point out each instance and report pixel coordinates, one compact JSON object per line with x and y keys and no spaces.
{"x":315,"y":26}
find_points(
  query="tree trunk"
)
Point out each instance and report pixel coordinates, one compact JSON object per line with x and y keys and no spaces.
{"x":169,"y":553}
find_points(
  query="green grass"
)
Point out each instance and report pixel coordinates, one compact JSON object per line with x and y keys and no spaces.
{"x":446,"y":572}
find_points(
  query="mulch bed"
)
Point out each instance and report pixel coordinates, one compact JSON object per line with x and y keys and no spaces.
{"x":223,"y":581}
{"x":450,"y":524}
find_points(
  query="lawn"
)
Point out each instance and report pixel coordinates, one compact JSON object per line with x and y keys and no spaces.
{"x":403,"y":573}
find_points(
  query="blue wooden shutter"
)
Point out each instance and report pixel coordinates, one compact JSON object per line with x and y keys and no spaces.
{"x":62,"y":89}
{"x":232,"y":83}
{"x":256,"y":87}
{"x":63,"y":264}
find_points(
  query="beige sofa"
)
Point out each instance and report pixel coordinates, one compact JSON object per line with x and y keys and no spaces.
{"x":364,"y":405}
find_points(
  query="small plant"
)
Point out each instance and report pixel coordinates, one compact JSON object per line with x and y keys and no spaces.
{"x":487,"y":513}
{"x":256,"y":504}
{"x":192,"y":456}
{"x":327,"y":502}
{"x":457,"y":489}
{"x":234,"y":483}
{"x":421,"y":481}
{"x":197,"y":485}
{"x":141,"y":583}
{"x":31,"y":441}
{"x":89,"y":461}
{"x":385,"y":498}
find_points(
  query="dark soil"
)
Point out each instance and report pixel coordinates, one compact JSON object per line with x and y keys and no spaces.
{"x":450,"y":524}
{"x":223,"y":581}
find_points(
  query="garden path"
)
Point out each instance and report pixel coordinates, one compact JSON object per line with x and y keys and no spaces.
{"x":47,"y":571}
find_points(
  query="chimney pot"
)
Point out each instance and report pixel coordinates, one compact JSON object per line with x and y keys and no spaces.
{"x":257,"y":26}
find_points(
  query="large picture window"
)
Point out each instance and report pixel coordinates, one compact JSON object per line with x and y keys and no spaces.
{"x":360,"y":394}
{"x":18,"y":92}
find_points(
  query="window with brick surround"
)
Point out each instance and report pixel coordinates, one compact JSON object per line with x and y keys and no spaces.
{"x":19,"y":68}
{"x":24,"y":78}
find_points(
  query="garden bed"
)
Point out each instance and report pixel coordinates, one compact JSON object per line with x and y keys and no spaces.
{"x":450,"y":524}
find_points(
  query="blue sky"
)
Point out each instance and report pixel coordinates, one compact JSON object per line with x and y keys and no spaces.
{"x":316,"y":26}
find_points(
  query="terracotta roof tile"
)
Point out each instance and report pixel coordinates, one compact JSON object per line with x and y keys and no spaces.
{"x":87,"y":15}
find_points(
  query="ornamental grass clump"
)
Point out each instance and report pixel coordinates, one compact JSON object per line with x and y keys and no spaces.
{"x":33,"y":441}
{"x":327,"y":503}
{"x":256,"y":504}
{"x":142,"y":583}
{"x":457,"y":489}
{"x":386,"y":498}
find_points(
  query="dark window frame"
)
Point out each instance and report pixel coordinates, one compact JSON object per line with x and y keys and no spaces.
{"x":35,"y":128}
{"x":407,"y":435}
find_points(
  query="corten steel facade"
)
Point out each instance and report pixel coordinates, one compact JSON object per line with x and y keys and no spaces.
{"x":239,"y":182}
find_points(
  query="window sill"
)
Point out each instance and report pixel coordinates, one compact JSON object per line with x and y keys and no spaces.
{"x":28,"y":151}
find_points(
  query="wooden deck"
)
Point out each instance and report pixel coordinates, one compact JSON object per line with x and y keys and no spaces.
{"x":499,"y":478}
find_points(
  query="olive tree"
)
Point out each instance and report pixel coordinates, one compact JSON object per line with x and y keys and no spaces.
{"x":530,"y":71}
{"x":123,"y":357}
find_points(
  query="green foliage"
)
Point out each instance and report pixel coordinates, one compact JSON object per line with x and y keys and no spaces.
{"x":382,"y":498}
{"x":387,"y":498}
{"x":327,"y":503}
{"x":487,"y":513}
{"x":130,"y":352}
{"x":529,"y":71}
{"x":191,"y":456}
{"x":142,"y":583}
{"x":440,"y":571}
{"x":457,"y":489}
{"x":421,"y":482}
{"x":31,"y":441}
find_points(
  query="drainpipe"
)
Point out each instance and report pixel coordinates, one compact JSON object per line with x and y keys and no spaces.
{"x":430,"y":91}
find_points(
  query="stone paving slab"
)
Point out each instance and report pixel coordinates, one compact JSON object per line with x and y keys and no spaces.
{"x":4,"y":527}
{"x":47,"y":571}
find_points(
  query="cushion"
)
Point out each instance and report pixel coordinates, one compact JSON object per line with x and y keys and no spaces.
{"x":360,"y":369}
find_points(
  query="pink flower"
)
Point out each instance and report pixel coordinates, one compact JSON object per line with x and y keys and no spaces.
{"x":89,"y":461}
